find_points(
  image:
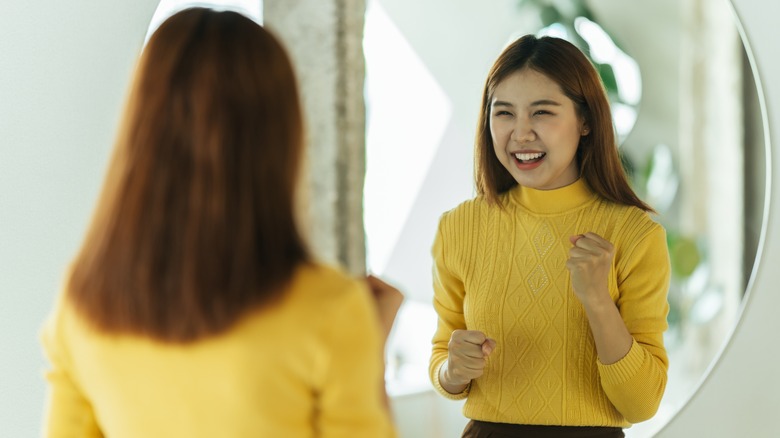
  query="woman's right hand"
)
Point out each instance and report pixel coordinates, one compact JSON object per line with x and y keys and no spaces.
{"x":468,"y":352}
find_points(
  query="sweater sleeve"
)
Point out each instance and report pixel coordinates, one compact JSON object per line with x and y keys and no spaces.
{"x":448,"y":293}
{"x":635,"y":384}
{"x":350,"y":393}
{"x":68,"y":411}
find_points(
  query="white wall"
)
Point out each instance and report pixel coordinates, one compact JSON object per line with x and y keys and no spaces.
{"x":65,"y":67}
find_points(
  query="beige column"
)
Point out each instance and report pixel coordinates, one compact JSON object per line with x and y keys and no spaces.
{"x":324,"y":38}
{"x":712,"y":156}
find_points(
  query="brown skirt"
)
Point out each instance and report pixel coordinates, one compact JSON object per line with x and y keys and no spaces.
{"x":483,"y":429}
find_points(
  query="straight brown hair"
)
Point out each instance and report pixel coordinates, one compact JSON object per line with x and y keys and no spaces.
{"x":597,"y":154}
{"x":195,"y":224}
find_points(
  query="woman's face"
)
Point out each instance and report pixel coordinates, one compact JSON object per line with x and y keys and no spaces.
{"x":535,"y":130}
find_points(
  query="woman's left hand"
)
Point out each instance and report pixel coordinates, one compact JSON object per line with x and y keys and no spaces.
{"x":589,"y":263}
{"x":388,"y":300}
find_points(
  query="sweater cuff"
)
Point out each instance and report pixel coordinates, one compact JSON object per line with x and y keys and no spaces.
{"x":621,"y":371}
{"x":437,"y":384}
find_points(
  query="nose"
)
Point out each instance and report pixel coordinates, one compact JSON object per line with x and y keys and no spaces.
{"x":523,"y":131}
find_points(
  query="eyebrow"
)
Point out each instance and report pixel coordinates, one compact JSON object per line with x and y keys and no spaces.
{"x":541,"y":102}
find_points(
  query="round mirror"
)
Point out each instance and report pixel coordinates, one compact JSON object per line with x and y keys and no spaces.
{"x":686,"y":111}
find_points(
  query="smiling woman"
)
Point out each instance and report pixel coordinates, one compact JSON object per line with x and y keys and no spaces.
{"x":533,"y":124}
{"x":510,"y":316}
{"x":698,"y":123}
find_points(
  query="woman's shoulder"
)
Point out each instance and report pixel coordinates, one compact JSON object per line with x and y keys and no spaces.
{"x":324,"y":299}
{"x":317,"y":296}
{"x":321,"y":283}
{"x":639,"y":218}
{"x":633,"y":223}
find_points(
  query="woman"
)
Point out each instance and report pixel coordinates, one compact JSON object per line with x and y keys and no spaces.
{"x":551,"y":284}
{"x":194,"y":307}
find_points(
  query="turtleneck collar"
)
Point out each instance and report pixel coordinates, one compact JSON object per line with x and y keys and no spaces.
{"x":552,"y":201}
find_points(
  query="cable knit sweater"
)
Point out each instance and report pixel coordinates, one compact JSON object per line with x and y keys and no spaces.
{"x":503,"y":272}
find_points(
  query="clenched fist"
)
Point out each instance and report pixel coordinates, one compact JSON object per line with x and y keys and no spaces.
{"x":590,"y":260}
{"x":468,"y":351}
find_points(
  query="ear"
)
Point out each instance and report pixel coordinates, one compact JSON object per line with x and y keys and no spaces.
{"x":585,"y":130}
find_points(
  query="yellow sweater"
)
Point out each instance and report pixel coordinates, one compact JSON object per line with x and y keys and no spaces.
{"x":503,"y":273}
{"x":308,"y":366}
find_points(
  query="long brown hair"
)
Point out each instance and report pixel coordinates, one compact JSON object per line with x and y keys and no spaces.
{"x":597,"y":154}
{"x":195,"y":224}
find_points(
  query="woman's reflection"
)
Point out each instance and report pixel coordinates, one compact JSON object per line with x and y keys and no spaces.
{"x":551,"y":285}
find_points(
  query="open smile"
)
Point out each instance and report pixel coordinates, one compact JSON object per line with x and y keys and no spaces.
{"x":527,"y":158}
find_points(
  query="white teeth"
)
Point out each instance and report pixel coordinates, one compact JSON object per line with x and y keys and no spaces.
{"x":526,"y":157}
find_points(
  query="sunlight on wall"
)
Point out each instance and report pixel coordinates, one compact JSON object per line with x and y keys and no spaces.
{"x":407,"y":113}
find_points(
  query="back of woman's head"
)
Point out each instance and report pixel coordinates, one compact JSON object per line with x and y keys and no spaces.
{"x":597,"y":154}
{"x":196,"y":222}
